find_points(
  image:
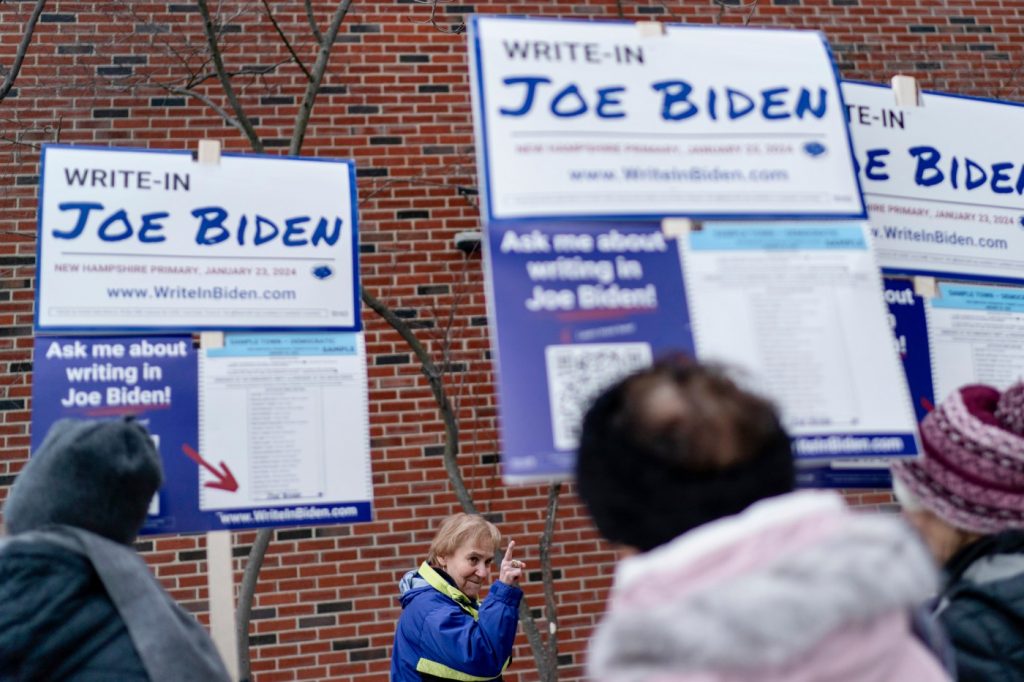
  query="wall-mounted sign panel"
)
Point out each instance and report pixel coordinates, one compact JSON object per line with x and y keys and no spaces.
{"x":142,"y":240}
{"x":944,"y":182}
{"x":152,"y":378}
{"x":798,"y":309}
{"x":584,"y":119}
{"x":271,"y":430}
{"x":289,"y":415}
{"x":574,"y":307}
{"x":976,"y":335}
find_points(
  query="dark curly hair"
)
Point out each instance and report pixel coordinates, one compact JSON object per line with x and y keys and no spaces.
{"x":676,"y":446}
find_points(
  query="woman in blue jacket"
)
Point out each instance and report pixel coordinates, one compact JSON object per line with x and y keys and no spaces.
{"x":444,"y":632}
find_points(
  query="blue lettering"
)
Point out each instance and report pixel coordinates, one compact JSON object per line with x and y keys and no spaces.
{"x":771,"y":101}
{"x":568,"y":92}
{"x":83,"y":209}
{"x":673,"y":93}
{"x":211,"y":218}
{"x":243,"y":222}
{"x":320,"y":233}
{"x":803,"y":103}
{"x":150,"y":224}
{"x":606,"y":97}
{"x":876,"y":165}
{"x":118,"y":217}
{"x":293,"y":233}
{"x":976,"y":175}
{"x":531,"y":83}
{"x":263,"y":236}
{"x":927,"y":172}
{"x":999,"y":175}
{"x":735,"y":113}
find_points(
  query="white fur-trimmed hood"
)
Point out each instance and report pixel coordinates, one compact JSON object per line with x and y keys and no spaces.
{"x":759,"y":590}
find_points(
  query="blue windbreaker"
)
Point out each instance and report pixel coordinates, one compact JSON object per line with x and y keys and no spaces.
{"x":444,"y":635}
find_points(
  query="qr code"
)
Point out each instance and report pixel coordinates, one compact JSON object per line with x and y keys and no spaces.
{"x":578,"y":373}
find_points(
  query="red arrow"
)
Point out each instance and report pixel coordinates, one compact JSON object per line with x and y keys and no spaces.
{"x":225,"y":479}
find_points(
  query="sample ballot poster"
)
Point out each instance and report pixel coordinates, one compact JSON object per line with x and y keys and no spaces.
{"x":152,"y":378}
{"x":798,"y":309}
{"x":135,"y":240}
{"x":583,"y":119}
{"x":906,"y":315}
{"x":976,"y":335}
{"x":574,"y":306}
{"x":287,"y":413}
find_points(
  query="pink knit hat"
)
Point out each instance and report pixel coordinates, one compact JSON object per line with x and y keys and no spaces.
{"x":972,"y":472}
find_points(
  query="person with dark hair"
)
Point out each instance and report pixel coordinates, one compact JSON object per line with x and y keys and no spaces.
{"x":729,"y":575}
{"x":966,"y":497}
{"x":445,"y":632}
{"x":77,"y":602}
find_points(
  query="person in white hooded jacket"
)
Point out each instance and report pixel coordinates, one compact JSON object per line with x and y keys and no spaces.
{"x":730,"y":575}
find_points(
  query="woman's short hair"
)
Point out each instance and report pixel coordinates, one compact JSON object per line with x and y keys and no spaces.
{"x":675,"y":446}
{"x":457,"y":530}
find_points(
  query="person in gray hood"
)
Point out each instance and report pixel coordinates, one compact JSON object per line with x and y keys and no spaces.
{"x":77,"y":602}
{"x":730,"y":575}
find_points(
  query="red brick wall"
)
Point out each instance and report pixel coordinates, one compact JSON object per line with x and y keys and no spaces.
{"x":396,"y":100}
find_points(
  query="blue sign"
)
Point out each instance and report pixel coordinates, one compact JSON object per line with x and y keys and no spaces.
{"x":152,"y":378}
{"x":574,"y":307}
{"x":909,"y":327}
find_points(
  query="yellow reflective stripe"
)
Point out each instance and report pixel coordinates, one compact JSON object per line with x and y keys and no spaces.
{"x":435,"y":580}
{"x":441,"y":670}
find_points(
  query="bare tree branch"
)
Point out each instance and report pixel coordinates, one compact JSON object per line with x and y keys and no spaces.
{"x":545,"y":655}
{"x":750,"y":14}
{"x":548,"y":580}
{"x":220,"y":111}
{"x":312,"y":22}
{"x":727,"y":5}
{"x":201,"y":77}
{"x":1010,"y":85}
{"x":430,"y":370}
{"x":313,"y":87}
{"x":28,"y":236}
{"x":432,"y":19}
{"x":245,"y":598}
{"x":284,"y":39}
{"x":19,"y":56}
{"x":225,"y":82}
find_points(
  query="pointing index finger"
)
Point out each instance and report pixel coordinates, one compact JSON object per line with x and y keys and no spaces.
{"x":508,"y":550}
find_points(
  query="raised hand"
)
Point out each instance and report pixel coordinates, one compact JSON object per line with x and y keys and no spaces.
{"x":511,"y":569}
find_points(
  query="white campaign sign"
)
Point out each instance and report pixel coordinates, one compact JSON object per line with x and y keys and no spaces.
{"x":943,"y":181}
{"x":798,"y":307}
{"x":133,"y":239}
{"x":596,"y":119}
